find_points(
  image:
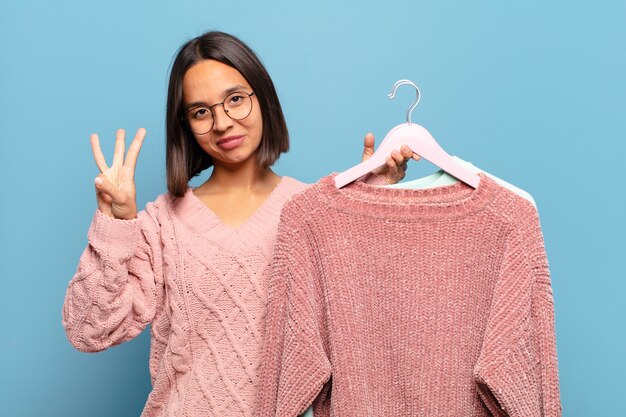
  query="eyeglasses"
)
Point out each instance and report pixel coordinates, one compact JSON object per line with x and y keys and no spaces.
{"x":237,"y":106}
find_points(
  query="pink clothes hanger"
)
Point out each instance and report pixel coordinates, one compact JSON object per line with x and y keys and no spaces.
{"x":418,"y":139}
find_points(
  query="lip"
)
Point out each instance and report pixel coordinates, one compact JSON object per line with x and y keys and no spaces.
{"x":230,"y":142}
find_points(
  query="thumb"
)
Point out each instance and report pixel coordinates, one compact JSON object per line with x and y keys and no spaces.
{"x":105,"y":187}
{"x":368,"y":147}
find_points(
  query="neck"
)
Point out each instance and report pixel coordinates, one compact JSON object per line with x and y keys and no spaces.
{"x":246,"y":176}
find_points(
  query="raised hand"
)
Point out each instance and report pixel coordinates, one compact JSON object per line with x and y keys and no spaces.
{"x":395,"y":169}
{"x":115,"y":186}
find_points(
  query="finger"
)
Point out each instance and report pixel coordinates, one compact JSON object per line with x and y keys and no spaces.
{"x":102,"y":198}
{"x":97,"y":152}
{"x":406,"y":152}
{"x":397,"y":156}
{"x":134,"y":148}
{"x":400,"y":167}
{"x":400,"y":163}
{"x":392,"y":168}
{"x":118,"y":156}
{"x":368,"y":146}
{"x":104,"y":186}
{"x":104,"y":202}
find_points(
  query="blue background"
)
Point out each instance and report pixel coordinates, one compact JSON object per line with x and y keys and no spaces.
{"x":533,"y":92}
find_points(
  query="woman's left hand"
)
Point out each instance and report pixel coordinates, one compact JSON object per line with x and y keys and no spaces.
{"x":395,"y":168}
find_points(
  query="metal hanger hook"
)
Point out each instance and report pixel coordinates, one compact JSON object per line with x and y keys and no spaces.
{"x":415,"y":102}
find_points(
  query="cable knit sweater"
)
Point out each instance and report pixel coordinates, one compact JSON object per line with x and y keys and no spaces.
{"x":201,"y":284}
{"x":394,"y":302}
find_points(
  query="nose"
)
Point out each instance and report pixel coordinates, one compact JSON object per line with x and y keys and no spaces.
{"x":221,"y":121}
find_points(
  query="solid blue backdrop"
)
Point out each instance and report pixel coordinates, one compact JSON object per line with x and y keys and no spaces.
{"x":533,"y":92}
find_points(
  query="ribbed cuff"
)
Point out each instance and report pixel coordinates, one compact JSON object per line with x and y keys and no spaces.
{"x":114,"y":237}
{"x":508,"y":387}
{"x":303,"y":391}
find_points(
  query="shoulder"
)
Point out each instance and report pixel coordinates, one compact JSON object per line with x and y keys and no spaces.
{"x":290,"y":189}
{"x":161,"y":203}
{"x":307,"y":198}
{"x":517,"y":216}
{"x":511,"y":207}
{"x":166,"y":204}
{"x":292,"y":186}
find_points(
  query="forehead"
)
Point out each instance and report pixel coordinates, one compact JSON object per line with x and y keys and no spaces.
{"x":208,"y":80}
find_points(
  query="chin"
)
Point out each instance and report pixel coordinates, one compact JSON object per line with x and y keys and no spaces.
{"x":236,"y":158}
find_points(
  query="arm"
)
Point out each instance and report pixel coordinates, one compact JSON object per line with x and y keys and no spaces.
{"x":114,"y":293}
{"x":517,"y":371}
{"x":111,"y":297}
{"x":295,"y":365}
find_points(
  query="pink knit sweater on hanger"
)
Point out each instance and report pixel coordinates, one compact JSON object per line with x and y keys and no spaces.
{"x":421,"y":303}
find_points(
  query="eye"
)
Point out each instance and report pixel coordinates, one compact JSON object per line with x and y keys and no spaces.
{"x":200,"y":113}
{"x":236,"y":99}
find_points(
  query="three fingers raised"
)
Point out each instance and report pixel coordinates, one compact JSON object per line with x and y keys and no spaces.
{"x":118,"y":156}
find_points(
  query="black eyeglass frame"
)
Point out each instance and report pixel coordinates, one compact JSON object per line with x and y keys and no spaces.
{"x":210,"y":108}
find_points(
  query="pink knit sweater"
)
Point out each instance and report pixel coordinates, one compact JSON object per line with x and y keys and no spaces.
{"x":200,"y":283}
{"x":393,"y":302}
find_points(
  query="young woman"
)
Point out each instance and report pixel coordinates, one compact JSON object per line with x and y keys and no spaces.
{"x":194,"y":263}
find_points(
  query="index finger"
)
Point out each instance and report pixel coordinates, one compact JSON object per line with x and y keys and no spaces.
{"x":408,"y":153}
{"x":134,"y":148}
{"x":97,"y":152}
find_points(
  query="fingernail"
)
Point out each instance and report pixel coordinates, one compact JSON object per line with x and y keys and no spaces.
{"x":98,"y":181}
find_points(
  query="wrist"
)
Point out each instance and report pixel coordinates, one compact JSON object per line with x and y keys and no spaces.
{"x":130,"y":214}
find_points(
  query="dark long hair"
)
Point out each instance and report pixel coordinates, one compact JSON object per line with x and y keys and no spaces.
{"x":184,"y":157}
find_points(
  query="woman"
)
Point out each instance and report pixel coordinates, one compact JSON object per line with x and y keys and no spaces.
{"x":194,"y":264}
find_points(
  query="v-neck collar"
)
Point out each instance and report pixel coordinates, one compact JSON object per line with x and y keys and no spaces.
{"x":252,"y":231}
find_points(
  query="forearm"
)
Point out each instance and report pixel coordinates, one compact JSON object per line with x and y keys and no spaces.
{"x":111,"y":297}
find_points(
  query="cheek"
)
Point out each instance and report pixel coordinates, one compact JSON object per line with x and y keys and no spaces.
{"x":256,"y":124}
{"x":206,"y":144}
{"x":260,"y":126}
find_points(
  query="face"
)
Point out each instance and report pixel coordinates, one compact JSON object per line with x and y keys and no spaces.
{"x":230,"y":141}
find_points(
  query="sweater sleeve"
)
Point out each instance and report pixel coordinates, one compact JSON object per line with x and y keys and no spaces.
{"x":113,"y":295}
{"x":517,"y":372}
{"x":295,"y":365}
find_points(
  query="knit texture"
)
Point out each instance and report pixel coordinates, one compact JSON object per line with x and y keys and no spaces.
{"x":201,"y":284}
{"x":394,"y":302}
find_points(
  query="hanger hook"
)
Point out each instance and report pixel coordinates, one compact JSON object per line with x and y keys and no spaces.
{"x":415,"y":102}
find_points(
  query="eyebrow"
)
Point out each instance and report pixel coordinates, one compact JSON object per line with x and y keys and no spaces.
{"x":226,"y":92}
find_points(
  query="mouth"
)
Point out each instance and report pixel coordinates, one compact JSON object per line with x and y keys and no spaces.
{"x":230,"y":142}
{"x":228,"y":139}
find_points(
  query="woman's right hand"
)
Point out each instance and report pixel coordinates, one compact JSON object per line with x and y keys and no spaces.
{"x":115,"y":186}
